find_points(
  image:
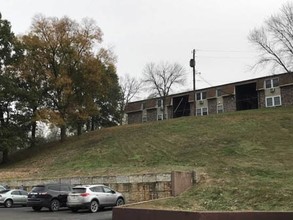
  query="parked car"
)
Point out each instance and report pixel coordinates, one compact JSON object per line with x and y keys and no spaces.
{"x":10,"y":197}
{"x":93,"y":197}
{"x":52,"y":196}
{"x":2,"y":188}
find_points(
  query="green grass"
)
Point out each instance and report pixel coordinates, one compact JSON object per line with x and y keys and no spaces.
{"x":244,"y":160}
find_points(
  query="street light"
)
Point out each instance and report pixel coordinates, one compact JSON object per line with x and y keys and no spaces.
{"x":192,"y":64}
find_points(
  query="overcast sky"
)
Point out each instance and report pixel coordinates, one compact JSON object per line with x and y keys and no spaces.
{"x":143,"y":31}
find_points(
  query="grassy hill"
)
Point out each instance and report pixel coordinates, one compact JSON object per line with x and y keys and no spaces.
{"x":244,"y":159}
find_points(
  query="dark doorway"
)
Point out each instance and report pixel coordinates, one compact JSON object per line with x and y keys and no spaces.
{"x":181,"y":106}
{"x":246,"y":97}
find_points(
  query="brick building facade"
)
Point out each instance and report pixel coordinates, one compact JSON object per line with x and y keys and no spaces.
{"x":269,"y":91}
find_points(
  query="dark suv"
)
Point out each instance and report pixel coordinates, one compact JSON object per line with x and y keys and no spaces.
{"x":52,"y":196}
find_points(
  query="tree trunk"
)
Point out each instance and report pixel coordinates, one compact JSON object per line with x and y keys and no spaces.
{"x":5,"y":156}
{"x":79,"y":126}
{"x":34,"y":128}
{"x":1,"y":116}
{"x":63,"y":133}
{"x":93,"y":124}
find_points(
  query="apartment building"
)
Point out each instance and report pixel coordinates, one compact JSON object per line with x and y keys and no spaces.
{"x":263,"y":92}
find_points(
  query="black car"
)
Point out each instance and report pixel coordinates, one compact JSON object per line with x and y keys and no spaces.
{"x":52,"y":196}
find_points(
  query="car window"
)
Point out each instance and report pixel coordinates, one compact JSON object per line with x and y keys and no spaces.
{"x":93,"y":189}
{"x":54,"y":187}
{"x":23,"y":193}
{"x":15,"y":193}
{"x":100,"y":189}
{"x":107,"y":190}
{"x":65,"y":188}
{"x":79,"y":190}
{"x":38,"y":189}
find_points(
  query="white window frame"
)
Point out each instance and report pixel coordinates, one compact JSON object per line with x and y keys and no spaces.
{"x":273,"y":101}
{"x":202,"y":111}
{"x":220,"y":108}
{"x":271,"y":83}
{"x":160,"y":117}
{"x":161,"y":103}
{"x":219,"y":92}
{"x":201,"y":95}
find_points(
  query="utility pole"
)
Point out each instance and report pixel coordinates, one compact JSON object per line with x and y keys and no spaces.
{"x":192,"y":64}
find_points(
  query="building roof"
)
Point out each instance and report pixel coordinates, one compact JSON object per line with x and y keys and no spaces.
{"x":226,"y":89}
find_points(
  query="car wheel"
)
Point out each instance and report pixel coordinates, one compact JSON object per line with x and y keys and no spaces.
{"x":55,"y":205}
{"x":8,"y":203}
{"x":37,"y":208}
{"x":94,"y":206}
{"x":74,"y":209}
{"x":120,"y":201}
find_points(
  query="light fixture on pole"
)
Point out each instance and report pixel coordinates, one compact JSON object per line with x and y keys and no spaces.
{"x":192,"y":64}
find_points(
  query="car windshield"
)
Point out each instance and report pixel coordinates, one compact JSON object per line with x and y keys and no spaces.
{"x":38,"y":189}
{"x":78,"y":190}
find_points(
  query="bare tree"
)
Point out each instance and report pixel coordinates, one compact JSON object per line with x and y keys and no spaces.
{"x":274,"y":40}
{"x":130,"y":87}
{"x":160,"y":79}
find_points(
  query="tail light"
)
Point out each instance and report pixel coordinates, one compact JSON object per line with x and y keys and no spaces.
{"x":84,"y":194}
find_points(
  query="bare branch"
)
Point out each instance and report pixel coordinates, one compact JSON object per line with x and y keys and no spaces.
{"x":274,"y":40}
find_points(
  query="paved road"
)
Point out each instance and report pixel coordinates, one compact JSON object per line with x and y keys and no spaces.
{"x":26,"y":213}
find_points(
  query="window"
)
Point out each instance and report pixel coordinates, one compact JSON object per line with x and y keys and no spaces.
{"x":80,"y":190}
{"x":202,"y":111}
{"x":201,"y":95}
{"x":160,"y":117}
{"x":25,"y":193}
{"x":54,"y":187}
{"x":219,"y":92}
{"x":65,"y":188}
{"x":160,"y":103}
{"x":107,"y":190}
{"x":271,"y":83}
{"x":273,"y":101}
{"x":97,"y":189}
{"x":15,"y":193}
{"x":220,"y":108}
{"x":198,"y":111}
{"x":143,"y":105}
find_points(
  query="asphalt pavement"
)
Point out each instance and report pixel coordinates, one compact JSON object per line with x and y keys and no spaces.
{"x":26,"y":213}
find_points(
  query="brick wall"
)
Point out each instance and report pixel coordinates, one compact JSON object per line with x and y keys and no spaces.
{"x":287,"y":95}
{"x":152,"y":114}
{"x":135,"y":117}
{"x":212,"y":106}
{"x":126,"y":213}
{"x":229,"y":104}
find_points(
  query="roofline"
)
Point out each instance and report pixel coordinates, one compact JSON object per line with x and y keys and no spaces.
{"x":221,"y":85}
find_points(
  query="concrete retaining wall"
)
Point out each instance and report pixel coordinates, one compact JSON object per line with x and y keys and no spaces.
{"x":136,"y":188}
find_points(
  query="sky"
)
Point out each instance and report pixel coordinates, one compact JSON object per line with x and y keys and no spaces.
{"x":144,"y":31}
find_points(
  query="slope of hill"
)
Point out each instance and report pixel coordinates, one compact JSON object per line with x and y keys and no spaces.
{"x":244,"y":159}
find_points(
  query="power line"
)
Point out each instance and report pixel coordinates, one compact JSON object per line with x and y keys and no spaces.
{"x":214,"y":57}
{"x":226,"y":51}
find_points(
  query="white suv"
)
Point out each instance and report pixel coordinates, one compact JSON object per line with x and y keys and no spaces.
{"x":93,"y":197}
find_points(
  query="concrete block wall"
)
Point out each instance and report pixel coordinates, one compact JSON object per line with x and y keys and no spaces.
{"x":136,"y":188}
